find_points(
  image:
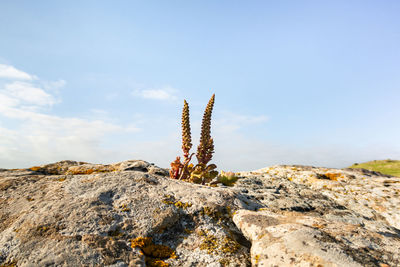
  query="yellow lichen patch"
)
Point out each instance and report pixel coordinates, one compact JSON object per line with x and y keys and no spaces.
{"x":210,"y":242}
{"x":256,"y":259}
{"x":261,"y":209}
{"x":154,"y":253}
{"x":61,"y":179}
{"x":156,"y":263}
{"x":318,"y":225}
{"x":41,"y":230}
{"x":159,"y":251}
{"x":124,"y":207}
{"x":168,"y":202}
{"x":228,"y":245}
{"x":51,"y":169}
{"x":82,"y":169}
{"x":333,"y":176}
{"x":140,"y":242}
{"x":178,"y":204}
{"x":183,"y":205}
{"x":9,"y":264}
{"x":211,"y":212}
{"x":213,"y":244}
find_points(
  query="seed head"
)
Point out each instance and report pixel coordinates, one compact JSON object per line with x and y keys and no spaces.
{"x":206,"y":147}
{"x":186,"y":137}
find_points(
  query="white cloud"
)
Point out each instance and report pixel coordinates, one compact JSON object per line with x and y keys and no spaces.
{"x":27,"y":93}
{"x":34,"y":137}
{"x":7,"y":101}
{"x":165,"y":93}
{"x":40,"y":138}
{"x":10,"y":72}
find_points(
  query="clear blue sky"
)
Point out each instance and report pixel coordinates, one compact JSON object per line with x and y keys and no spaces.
{"x":296,"y":82}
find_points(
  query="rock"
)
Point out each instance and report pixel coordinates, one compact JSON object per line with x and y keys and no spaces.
{"x":140,"y":165}
{"x":77,"y":219}
{"x":60,"y":167}
{"x":131,"y":214}
{"x":292,"y":239}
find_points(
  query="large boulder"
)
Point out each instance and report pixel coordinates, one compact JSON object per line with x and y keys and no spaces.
{"x":132,"y":214}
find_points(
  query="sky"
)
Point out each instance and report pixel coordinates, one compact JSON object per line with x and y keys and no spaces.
{"x":295,"y":82}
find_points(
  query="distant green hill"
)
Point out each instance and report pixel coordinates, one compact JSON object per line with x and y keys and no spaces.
{"x":390,"y":167}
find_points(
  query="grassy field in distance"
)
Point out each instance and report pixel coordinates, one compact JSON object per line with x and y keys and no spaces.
{"x":388,"y":166}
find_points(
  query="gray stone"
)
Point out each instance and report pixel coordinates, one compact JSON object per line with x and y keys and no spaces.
{"x":80,"y":214}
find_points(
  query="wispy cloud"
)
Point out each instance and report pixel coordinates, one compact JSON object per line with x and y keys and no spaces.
{"x":10,"y":72}
{"x":228,"y":121}
{"x":165,"y":93}
{"x":35,"y":137}
{"x":29,"y":135}
{"x":27,"y":93}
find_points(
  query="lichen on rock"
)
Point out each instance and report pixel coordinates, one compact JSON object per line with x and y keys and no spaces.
{"x":133,"y":214}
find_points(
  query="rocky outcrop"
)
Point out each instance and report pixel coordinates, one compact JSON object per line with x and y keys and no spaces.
{"x":131,"y":214}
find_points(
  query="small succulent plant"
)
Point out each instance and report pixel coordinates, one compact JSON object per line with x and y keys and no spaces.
{"x":201,"y":172}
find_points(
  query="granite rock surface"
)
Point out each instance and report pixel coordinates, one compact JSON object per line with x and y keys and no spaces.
{"x":131,"y":214}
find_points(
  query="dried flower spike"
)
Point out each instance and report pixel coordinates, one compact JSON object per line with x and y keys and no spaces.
{"x":201,"y":173}
{"x":186,"y":138}
{"x":206,"y":146}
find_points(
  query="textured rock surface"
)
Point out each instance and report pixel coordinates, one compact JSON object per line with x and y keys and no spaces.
{"x":79,"y":214}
